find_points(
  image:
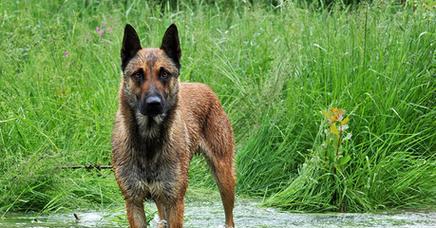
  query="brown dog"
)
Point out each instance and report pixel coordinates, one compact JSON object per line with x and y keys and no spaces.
{"x":159,"y":125}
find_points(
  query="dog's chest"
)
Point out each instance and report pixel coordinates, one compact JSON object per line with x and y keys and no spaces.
{"x":151,"y":179}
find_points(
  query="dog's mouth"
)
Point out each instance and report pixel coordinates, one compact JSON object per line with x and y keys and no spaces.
{"x":152,"y":111}
{"x":146,"y":121}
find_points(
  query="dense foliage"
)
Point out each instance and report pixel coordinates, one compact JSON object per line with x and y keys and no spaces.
{"x":275,"y":69}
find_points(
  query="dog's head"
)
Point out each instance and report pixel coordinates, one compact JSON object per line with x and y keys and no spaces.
{"x":151,"y":74}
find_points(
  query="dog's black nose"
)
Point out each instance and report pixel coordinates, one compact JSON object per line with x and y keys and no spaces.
{"x":153,"y":106}
{"x":153,"y":101}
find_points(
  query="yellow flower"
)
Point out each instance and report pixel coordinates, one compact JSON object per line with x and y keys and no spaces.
{"x":345,"y":121}
{"x":334,"y":130}
{"x":334,"y":115}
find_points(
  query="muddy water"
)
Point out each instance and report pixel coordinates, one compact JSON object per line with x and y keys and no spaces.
{"x":247,"y":214}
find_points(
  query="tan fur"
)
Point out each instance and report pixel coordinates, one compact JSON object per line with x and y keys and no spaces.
{"x":196,"y":122}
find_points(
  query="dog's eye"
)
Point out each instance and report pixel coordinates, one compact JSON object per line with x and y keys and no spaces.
{"x":138,"y":76}
{"x":164,"y":74}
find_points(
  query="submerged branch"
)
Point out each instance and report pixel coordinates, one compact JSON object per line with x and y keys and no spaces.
{"x":87,"y":167}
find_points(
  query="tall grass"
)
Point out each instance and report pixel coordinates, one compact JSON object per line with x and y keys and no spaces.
{"x":274,"y":68}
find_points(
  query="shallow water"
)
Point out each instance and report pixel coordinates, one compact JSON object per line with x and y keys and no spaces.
{"x":247,"y":214}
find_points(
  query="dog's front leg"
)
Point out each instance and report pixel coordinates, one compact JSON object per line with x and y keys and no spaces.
{"x":135,"y":213}
{"x":175,"y":214}
{"x":162,"y":214}
{"x":170,"y":214}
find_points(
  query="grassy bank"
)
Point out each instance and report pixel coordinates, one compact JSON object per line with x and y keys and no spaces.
{"x":275,"y":71}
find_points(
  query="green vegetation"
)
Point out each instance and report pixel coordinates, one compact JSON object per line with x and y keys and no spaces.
{"x":275,"y":69}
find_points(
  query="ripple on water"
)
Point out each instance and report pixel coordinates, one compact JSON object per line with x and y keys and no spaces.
{"x":247,"y":214}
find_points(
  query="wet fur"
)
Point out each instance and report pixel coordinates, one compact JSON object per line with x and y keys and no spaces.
{"x":151,"y":155}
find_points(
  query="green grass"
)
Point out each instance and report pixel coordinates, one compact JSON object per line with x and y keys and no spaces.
{"x":274,"y":69}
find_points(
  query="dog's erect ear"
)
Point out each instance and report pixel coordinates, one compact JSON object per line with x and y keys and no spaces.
{"x":171,"y":45}
{"x":131,"y":45}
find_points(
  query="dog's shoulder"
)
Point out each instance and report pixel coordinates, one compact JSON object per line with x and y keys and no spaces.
{"x":196,"y":98}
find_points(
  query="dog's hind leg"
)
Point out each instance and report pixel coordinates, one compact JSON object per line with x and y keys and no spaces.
{"x":218,"y":148}
{"x":223,"y":172}
{"x":225,"y":179}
